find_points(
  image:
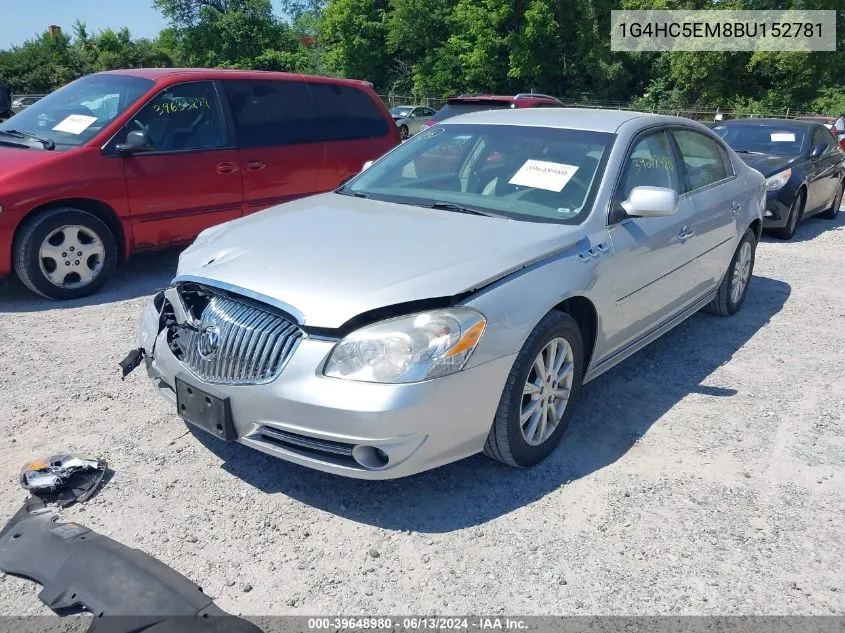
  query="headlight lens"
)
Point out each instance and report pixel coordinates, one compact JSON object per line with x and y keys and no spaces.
{"x":779,"y":180}
{"x":409,"y":349}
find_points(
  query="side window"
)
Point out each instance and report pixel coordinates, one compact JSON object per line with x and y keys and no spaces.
{"x":428,"y":112}
{"x":650,"y":164}
{"x":820,"y":135}
{"x":344,"y":112}
{"x":702,"y":159}
{"x":270,"y":113}
{"x":183,"y":117}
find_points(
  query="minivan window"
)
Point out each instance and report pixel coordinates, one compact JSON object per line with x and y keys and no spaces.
{"x":270,"y":113}
{"x":77,"y":112}
{"x":183,"y":117}
{"x":344,"y":112}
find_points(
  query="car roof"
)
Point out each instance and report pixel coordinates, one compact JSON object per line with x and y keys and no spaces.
{"x":189,"y":74}
{"x":565,"y":118}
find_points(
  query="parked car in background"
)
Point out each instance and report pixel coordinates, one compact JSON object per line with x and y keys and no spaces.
{"x":5,"y":101}
{"x":477,"y":103}
{"x":22,"y":103}
{"x":409,"y":119}
{"x":124,"y":161}
{"x":802,"y":163}
{"x":423,"y":313}
{"x":829,"y":122}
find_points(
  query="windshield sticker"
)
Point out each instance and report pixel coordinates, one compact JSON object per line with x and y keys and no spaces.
{"x":75,"y":124}
{"x":783,"y":137}
{"x":542,"y":174}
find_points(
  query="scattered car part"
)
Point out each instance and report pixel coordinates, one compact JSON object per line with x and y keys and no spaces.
{"x":132,"y":360}
{"x":124,"y":588}
{"x":63,"y":479}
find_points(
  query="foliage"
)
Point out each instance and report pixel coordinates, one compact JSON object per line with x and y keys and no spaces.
{"x":447,"y":47}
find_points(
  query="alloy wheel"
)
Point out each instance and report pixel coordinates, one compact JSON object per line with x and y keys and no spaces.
{"x":71,"y":256}
{"x":546,"y":391}
{"x":741,"y":272}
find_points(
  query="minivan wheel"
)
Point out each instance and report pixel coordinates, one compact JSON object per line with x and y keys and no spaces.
{"x":403,"y":130}
{"x":735,"y":283}
{"x":833,"y":211}
{"x":64,"y":253}
{"x":537,"y":401}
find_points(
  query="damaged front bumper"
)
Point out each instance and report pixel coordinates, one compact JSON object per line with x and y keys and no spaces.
{"x":355,"y":429}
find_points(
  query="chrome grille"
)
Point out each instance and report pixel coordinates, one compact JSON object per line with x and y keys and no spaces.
{"x":251,"y":347}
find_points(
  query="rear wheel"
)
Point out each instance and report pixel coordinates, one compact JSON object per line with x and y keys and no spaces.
{"x":795,"y":212}
{"x":404,"y":132}
{"x":735,"y":283}
{"x":833,"y":211}
{"x":64,"y":253}
{"x":537,"y":401}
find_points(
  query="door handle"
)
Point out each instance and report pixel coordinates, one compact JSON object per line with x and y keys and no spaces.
{"x":255,"y":165}
{"x":736,"y":207}
{"x":686,"y":233}
{"x":226,"y":168}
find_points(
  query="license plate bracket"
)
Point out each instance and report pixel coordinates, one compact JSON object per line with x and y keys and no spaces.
{"x":204,"y":410}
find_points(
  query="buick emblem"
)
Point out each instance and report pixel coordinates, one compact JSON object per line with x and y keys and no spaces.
{"x":208,"y":341}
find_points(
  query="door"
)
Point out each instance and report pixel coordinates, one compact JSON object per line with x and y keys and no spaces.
{"x":823,"y":171}
{"x":274,"y":129}
{"x":650,"y":277}
{"x":190,"y":180}
{"x":353,"y":129}
{"x":419,"y":116}
{"x":719,"y":200}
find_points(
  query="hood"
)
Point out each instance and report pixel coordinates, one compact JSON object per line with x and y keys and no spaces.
{"x":14,"y":160}
{"x":328,"y":258}
{"x":768,"y":164}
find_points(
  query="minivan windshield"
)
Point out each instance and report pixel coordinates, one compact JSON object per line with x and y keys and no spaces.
{"x":75,"y":113}
{"x":536,"y":174}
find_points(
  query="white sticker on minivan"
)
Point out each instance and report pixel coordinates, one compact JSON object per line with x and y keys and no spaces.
{"x":783,"y":137}
{"x":75,"y":124}
{"x":542,"y":174}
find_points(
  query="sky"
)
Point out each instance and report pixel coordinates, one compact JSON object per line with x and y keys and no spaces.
{"x":21,"y":20}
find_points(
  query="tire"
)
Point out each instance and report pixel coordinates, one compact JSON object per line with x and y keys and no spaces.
{"x":795,"y":213}
{"x":727,"y":302}
{"x":46,"y":234}
{"x":506,"y":441}
{"x":833,"y":211}
{"x":404,"y":132}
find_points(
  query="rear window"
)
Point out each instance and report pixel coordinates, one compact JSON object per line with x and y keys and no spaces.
{"x":271,"y":113}
{"x":344,"y":112}
{"x":462,"y":107}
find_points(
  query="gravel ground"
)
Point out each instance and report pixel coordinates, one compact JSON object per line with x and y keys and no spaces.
{"x":705,"y":475}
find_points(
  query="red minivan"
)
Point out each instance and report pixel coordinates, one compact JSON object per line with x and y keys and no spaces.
{"x":124,"y":161}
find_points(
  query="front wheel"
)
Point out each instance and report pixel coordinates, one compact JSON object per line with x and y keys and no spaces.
{"x":735,"y":283}
{"x":833,"y":211}
{"x":537,"y":401}
{"x":64,"y":253}
{"x":795,"y":212}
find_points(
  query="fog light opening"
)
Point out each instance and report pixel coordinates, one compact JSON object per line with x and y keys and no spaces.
{"x":370,"y":457}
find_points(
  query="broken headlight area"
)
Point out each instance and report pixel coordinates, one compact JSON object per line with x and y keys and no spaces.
{"x":63,"y":479}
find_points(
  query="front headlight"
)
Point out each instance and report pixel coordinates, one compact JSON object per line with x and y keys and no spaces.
{"x":779,"y":180}
{"x":410,"y":348}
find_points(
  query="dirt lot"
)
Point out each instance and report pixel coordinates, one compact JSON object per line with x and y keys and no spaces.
{"x":705,"y":475}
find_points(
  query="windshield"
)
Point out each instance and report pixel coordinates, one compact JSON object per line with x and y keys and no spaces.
{"x":525,"y":173}
{"x":454,"y":109}
{"x":763,"y":139}
{"x":74,"y":114}
{"x":401,"y":111}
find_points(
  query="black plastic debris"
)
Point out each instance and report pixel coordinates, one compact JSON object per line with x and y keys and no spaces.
{"x":125,"y":589}
{"x":132,"y":360}
{"x":63,"y":479}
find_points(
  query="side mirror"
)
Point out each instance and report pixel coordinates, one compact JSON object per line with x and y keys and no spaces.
{"x":136,"y":142}
{"x":651,"y":202}
{"x":367,"y":165}
{"x":818,"y":150}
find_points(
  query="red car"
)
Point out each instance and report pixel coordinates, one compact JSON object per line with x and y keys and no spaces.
{"x":474,"y":103}
{"x":119,"y":162}
{"x":830,"y":123}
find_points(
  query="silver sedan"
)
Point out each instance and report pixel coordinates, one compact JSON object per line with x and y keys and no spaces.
{"x":409,"y":119}
{"x":456,"y":295}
